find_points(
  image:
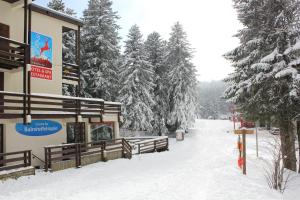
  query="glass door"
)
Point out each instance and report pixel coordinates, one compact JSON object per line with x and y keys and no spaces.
{"x":76,"y":132}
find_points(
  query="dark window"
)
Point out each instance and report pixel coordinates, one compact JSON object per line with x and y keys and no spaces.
{"x":75,"y":132}
{"x":101,"y":131}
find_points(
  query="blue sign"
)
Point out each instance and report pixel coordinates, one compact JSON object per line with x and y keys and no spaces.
{"x":39,"y":128}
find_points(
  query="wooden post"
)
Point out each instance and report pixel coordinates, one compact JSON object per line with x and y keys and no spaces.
{"x":154,"y":145}
{"x":46,"y":159}
{"x":123,"y":149}
{"x":78,"y":60}
{"x":167,"y":144}
{"x":29,"y":158}
{"x":139,"y":148}
{"x":49,"y":159}
{"x":76,"y":156}
{"x":244,"y":154}
{"x":25,"y":158}
{"x":79,"y":155}
{"x":256,"y":135}
{"x":102,"y":151}
{"x":29,"y":59}
{"x":25,"y":60}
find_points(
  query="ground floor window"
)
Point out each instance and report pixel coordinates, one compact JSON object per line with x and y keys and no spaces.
{"x":102,"y":131}
{"x":76,"y":132}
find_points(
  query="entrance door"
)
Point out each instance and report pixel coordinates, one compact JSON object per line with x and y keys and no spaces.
{"x":1,"y":142}
{"x":76,"y":132}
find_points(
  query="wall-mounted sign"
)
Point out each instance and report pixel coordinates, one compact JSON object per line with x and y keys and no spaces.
{"x":41,"y":56}
{"x":39,"y":128}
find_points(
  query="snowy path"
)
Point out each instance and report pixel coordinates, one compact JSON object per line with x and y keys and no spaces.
{"x":201,"y":167}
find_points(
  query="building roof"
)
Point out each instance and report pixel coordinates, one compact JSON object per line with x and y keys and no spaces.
{"x":56,"y":14}
{"x":11,"y":1}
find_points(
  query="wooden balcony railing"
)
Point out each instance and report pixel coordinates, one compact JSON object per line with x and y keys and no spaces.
{"x":70,"y":72}
{"x":57,"y":106}
{"x":15,"y":160}
{"x":12,"y":53}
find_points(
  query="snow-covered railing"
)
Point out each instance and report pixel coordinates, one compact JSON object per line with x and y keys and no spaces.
{"x":15,"y":160}
{"x":153,"y":144}
{"x":18,"y":105}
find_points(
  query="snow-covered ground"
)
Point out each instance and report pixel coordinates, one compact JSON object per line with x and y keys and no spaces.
{"x":204,"y":166}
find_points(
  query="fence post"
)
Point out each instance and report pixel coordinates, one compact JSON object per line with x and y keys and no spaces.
{"x":79,"y":154}
{"x":154,"y":146}
{"x":29,"y":158}
{"x":46,"y":159}
{"x":167,"y":139}
{"x":102,"y":151}
{"x":76,"y":156}
{"x":25,"y":158}
{"x":139,"y":148}
{"x":123,"y":149}
{"x":49,"y":159}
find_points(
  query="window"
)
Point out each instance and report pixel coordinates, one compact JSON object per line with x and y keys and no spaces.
{"x":102,"y":131}
{"x":75,"y":132}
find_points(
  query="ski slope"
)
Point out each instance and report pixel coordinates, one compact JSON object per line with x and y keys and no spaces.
{"x":203,"y":167}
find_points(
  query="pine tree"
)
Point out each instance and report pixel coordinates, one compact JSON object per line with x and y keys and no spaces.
{"x":182,"y":80}
{"x":100,"y":50}
{"x":57,"y":5}
{"x":265,"y":83}
{"x":155,"y":50}
{"x":136,"y":80}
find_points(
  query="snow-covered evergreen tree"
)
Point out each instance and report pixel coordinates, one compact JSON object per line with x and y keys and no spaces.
{"x":57,"y":5}
{"x":155,"y":50}
{"x":136,"y":81}
{"x":100,"y":50}
{"x":182,"y":80}
{"x":265,"y":83}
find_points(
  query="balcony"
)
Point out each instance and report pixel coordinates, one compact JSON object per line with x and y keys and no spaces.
{"x":53,"y":106}
{"x":70,"y":72}
{"x":12,"y":54}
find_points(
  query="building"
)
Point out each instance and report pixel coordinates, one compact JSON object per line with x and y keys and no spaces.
{"x":34,"y":113}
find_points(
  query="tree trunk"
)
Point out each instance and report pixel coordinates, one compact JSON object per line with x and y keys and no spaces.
{"x":288,"y":145}
{"x":298,"y":135}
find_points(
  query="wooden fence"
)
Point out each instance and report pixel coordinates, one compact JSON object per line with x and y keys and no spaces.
{"x":152,"y":145}
{"x":75,"y":151}
{"x":15,"y":160}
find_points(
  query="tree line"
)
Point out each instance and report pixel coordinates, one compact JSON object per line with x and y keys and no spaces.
{"x":210,"y":103}
{"x":155,"y":79}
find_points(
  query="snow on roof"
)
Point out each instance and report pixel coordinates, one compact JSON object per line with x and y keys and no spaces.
{"x":53,"y":13}
{"x":65,"y":97}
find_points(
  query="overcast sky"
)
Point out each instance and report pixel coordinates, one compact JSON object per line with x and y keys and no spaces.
{"x":210,"y":25}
